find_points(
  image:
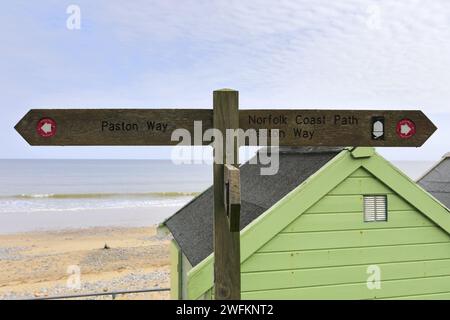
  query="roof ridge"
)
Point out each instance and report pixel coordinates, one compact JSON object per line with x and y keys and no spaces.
{"x":433,"y":167}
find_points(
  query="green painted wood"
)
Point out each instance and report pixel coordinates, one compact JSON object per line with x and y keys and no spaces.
{"x":343,"y":257}
{"x":185,"y":268}
{"x":355,"y":221}
{"x":175,"y":271}
{"x":436,"y":296}
{"x":320,"y":231}
{"x":361,"y":186}
{"x":354,"y":203}
{"x":209,"y":295}
{"x":409,"y":190}
{"x":261,"y":230}
{"x":312,"y":231}
{"x":274,"y":220}
{"x":389,"y":288}
{"x":200,"y":278}
{"x":361,"y":173}
{"x":258,"y":281}
{"x":325,"y":258}
{"x":329,"y":204}
{"x":354,"y":238}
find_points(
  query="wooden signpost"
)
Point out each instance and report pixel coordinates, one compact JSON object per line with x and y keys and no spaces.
{"x":145,"y":127}
{"x":227,"y":256}
{"x":154,"y":127}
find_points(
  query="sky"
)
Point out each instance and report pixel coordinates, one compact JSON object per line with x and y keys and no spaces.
{"x":352,"y":54}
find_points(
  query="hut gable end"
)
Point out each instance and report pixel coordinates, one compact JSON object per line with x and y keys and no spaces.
{"x":327,"y":251}
{"x":314,"y":242}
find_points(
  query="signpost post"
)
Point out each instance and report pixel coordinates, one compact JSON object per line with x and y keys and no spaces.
{"x":145,"y":127}
{"x":227,"y":262}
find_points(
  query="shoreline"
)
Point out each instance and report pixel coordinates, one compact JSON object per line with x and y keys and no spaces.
{"x":38,"y":264}
{"x":53,"y":221}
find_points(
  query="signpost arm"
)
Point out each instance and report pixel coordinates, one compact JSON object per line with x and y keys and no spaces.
{"x":227,"y":267}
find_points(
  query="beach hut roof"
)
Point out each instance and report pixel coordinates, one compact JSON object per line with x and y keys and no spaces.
{"x":192,"y":225}
{"x":437,"y":180}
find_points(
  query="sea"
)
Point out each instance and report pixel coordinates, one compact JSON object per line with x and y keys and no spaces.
{"x":41,"y":195}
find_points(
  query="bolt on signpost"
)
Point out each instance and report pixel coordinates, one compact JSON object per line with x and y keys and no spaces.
{"x":154,"y":127}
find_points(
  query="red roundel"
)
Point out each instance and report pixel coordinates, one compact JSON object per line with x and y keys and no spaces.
{"x":406,"y":128}
{"x":46,"y":127}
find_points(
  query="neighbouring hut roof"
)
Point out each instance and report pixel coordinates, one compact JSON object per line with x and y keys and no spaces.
{"x":192,"y":225}
{"x":437,"y":181}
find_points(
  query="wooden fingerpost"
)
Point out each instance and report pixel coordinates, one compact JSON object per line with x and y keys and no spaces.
{"x":227,"y":268}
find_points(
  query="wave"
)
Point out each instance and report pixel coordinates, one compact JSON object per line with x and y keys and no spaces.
{"x":90,"y":206}
{"x":102,"y":195}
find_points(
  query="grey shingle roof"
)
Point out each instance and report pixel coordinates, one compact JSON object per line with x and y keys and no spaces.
{"x":192,"y":225}
{"x":437,"y":181}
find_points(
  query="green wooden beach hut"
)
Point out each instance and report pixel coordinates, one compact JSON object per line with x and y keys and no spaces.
{"x":331,"y":224}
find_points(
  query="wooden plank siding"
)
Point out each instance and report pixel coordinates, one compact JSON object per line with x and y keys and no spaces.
{"x":185,"y":268}
{"x":325,"y":252}
{"x":313,"y":277}
{"x":433,"y":296}
{"x":353,"y":239}
{"x":175,"y":271}
{"x":390,"y":288}
{"x":340,"y":221}
{"x":314,"y":243}
{"x":292,"y":260}
{"x":353,"y":203}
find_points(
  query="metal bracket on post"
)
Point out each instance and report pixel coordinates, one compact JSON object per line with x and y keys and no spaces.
{"x":232,"y":196}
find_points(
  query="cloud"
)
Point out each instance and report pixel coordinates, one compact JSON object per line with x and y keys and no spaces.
{"x":287,"y":54}
{"x":343,"y":53}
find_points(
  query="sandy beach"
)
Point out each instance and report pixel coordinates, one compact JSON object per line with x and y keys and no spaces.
{"x":56,"y":216}
{"x":38,"y":264}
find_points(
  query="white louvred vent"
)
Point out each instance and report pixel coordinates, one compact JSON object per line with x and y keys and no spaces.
{"x":375,"y":208}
